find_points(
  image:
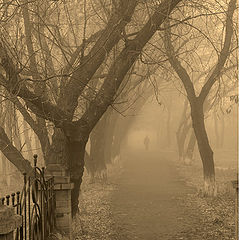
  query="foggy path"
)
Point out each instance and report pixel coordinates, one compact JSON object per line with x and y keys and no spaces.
{"x":147,"y":204}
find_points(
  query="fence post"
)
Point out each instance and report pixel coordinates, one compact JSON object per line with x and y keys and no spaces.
{"x":9,"y":221}
{"x":62,"y":188}
{"x":235,"y":186}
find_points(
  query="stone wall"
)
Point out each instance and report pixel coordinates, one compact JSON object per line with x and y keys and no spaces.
{"x":9,"y":221}
{"x":62,"y":187}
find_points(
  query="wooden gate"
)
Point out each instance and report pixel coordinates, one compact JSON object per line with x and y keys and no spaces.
{"x":36,"y":204}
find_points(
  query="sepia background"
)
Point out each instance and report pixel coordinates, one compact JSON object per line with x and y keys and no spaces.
{"x":136,"y":101}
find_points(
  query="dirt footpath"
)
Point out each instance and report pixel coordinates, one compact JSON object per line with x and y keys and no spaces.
{"x":147,"y":204}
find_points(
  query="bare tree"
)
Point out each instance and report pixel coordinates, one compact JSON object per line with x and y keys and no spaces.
{"x":40,"y":83}
{"x":197,"y":101}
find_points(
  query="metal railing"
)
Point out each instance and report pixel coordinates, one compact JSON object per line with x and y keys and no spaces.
{"x":36,"y":204}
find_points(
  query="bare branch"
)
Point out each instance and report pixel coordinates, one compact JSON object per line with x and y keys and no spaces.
{"x":223,"y":54}
{"x":37,"y":103}
{"x":176,"y":65}
{"x":91,"y":62}
{"x":123,"y":63}
{"x":12,"y":154}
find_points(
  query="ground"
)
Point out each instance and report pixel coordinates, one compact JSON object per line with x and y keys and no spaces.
{"x":148,"y":202}
{"x":154,"y":197}
{"x":149,"y":195}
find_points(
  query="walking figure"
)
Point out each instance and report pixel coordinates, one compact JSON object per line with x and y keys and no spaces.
{"x":146,"y":142}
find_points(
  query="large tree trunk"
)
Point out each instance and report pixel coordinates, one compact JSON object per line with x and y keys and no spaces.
{"x":76,"y":152}
{"x":68,"y":152}
{"x":204,"y":147}
{"x":57,"y":152}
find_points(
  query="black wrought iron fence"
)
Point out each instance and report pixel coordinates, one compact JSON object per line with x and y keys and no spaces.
{"x":36,"y":204}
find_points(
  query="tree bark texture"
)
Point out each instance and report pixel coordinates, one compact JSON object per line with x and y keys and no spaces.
{"x":76,"y":152}
{"x":204,"y":147}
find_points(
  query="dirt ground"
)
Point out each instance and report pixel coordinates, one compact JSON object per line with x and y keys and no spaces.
{"x":150,"y":196}
{"x":148,"y":202}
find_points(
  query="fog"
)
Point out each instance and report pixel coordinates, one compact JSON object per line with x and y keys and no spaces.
{"x":152,"y":121}
{"x":126,"y":111}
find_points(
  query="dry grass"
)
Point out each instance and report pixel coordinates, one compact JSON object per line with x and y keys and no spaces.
{"x":217,"y":217}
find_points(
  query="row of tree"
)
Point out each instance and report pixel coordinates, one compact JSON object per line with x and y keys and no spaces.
{"x":66,"y":66}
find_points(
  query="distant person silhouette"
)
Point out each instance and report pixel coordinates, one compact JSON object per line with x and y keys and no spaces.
{"x":146,"y":142}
